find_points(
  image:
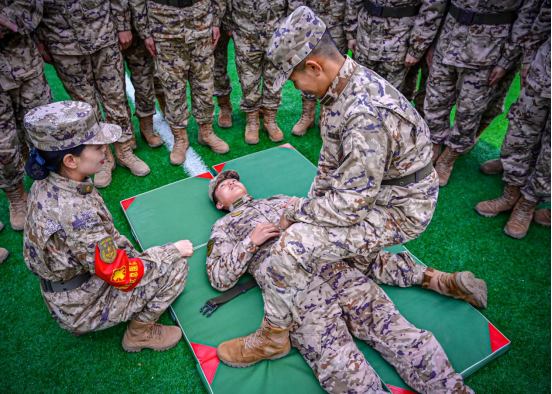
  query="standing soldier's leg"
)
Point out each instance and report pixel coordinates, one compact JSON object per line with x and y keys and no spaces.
{"x":223,"y":85}
{"x":393,"y":72}
{"x":159,"y":92}
{"x":411,"y":81}
{"x":419,"y":97}
{"x":272,"y":99}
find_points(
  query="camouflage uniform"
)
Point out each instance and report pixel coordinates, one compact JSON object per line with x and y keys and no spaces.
{"x":383,"y":43}
{"x":335,"y":307}
{"x":66,"y":222}
{"x":223,"y":84}
{"x":22,"y":85}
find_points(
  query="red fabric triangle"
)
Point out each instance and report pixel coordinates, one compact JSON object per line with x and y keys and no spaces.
{"x":126,"y":203}
{"x":399,"y":390}
{"x":498,"y":341}
{"x":205,"y":175}
{"x":208,"y":360}
{"x":218,"y":168}
{"x":288,"y":146}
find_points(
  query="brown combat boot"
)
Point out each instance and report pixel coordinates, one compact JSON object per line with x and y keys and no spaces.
{"x":436,"y":152}
{"x":4,"y":254}
{"x":181,"y":144}
{"x":444,"y":165}
{"x":460,"y":285}
{"x":18,"y":206}
{"x":162,"y":103}
{"x":132,"y":136}
{"x":542,"y":217}
{"x":225,"y":113}
{"x":252,"y":127}
{"x":271,"y":127}
{"x":146,"y":129}
{"x":492,"y":167}
{"x":519,"y":222}
{"x":127,"y":159}
{"x":103,"y":178}
{"x":267,"y":343}
{"x":504,"y":203}
{"x":207,"y":137}
{"x":150,"y":335}
{"x":307,"y":118}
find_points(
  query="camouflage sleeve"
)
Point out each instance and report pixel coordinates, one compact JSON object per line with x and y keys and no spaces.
{"x":219,"y":8}
{"x":356,"y":182}
{"x":227,"y":261}
{"x":25,"y":14}
{"x":538,"y":32}
{"x":120,"y":12}
{"x":350,"y":24}
{"x":326,"y":168}
{"x":139,"y":11}
{"x":426,"y":26}
{"x":294,"y":4}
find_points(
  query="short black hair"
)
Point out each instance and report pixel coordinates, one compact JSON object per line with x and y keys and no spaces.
{"x":325,"y":48}
{"x":41,"y":162}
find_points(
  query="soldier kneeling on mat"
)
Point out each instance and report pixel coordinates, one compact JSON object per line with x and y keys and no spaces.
{"x":340,"y":301}
{"x":91,"y":276}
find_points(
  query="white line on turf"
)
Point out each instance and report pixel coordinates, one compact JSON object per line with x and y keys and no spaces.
{"x":193,"y":165}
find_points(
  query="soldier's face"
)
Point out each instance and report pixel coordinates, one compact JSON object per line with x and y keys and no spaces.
{"x":90,"y":160}
{"x":229,"y":191}
{"x":311,"y":79}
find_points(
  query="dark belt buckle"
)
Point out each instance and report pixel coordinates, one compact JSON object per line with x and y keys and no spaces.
{"x":208,"y":309}
{"x":376,"y":10}
{"x":466,"y":17}
{"x":47,"y":285}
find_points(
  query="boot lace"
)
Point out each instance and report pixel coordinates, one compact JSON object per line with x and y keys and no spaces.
{"x":155,"y":331}
{"x":255,"y":339}
{"x":523,"y":213}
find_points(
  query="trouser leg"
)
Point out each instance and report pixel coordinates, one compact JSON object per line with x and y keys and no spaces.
{"x":201,"y":80}
{"x":11,"y":161}
{"x":223,"y":85}
{"x":249,"y":65}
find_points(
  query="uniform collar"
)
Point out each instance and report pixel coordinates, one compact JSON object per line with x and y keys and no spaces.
{"x":340,"y":81}
{"x":70,"y":185}
{"x":240,"y":201}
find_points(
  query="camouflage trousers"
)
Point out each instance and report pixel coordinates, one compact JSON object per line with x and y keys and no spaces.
{"x":253,"y":65}
{"x":97,"y":78}
{"x":14,"y":104}
{"x":180,"y":62}
{"x":98,"y":305}
{"x":341,"y":304}
{"x":393,"y":72}
{"x":223,"y":84}
{"x":411,"y":90}
{"x":142,"y":75}
{"x":525,"y":152}
{"x":469,"y":89}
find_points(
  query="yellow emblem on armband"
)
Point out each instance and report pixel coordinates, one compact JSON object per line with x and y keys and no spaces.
{"x":210,"y":247}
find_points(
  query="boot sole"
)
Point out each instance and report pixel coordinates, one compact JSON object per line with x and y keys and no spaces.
{"x":280,"y":140}
{"x":306,"y":130}
{"x":17,"y":228}
{"x":133,"y":173}
{"x":151,"y":146}
{"x":490,"y":173}
{"x":543,"y":224}
{"x":224,"y":126}
{"x":516,"y":236}
{"x":476,"y":288}
{"x":217,"y":152}
{"x":131,"y":349}
{"x":174,"y":163}
{"x":245,"y":365}
{"x":5,"y":258}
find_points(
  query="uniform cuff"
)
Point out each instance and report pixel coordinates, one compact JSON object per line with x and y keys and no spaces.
{"x":528,"y":56}
{"x":505,"y":63}
{"x":250,"y":246}
{"x":415,"y":53}
{"x":171,"y":253}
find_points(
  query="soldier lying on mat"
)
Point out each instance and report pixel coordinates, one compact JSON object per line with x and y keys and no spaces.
{"x":341,"y":302}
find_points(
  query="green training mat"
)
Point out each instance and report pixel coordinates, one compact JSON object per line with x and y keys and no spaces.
{"x":182,"y":210}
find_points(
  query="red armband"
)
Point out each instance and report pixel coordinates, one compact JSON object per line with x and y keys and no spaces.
{"x":114,"y":267}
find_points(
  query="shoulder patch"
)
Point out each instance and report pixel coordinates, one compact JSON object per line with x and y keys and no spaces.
{"x":334,"y":136}
{"x":210,"y":247}
{"x":237,"y":214}
{"x":108,"y":251}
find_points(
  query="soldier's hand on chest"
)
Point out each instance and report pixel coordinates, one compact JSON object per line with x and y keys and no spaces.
{"x":263,"y":232}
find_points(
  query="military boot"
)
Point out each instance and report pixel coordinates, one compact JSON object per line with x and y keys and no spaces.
{"x":146,"y":129}
{"x":207,"y":137}
{"x":271,"y":127}
{"x":542,"y":217}
{"x":460,"y":285}
{"x":127,"y":159}
{"x":436,"y":152}
{"x":492,"y":167}
{"x":103,"y":178}
{"x":519,"y":222}
{"x":225,"y":114}
{"x":307,"y":118}
{"x":444,"y":165}
{"x":162,"y":103}
{"x":252,"y":127}
{"x":4,"y":254}
{"x":132,"y":136}
{"x":150,"y":335}
{"x":267,"y":343}
{"x":18,"y":206}
{"x":181,"y":144}
{"x":503,"y":203}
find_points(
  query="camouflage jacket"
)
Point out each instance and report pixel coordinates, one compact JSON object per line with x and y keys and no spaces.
{"x":230,"y":252}
{"x":80,"y":27}
{"x":390,"y":39}
{"x":370,"y":132}
{"x":257,"y":19}
{"x":19,"y":59}
{"x":332,"y":12}
{"x":479,"y":45}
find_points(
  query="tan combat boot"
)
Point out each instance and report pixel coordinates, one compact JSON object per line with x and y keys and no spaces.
{"x":519,"y":222}
{"x":181,"y":144}
{"x":504,"y":203}
{"x":460,"y":285}
{"x":18,"y":206}
{"x":150,"y":335}
{"x":103,"y":178}
{"x":307,"y":118}
{"x":162,"y":103}
{"x":127,"y":159}
{"x":444,"y":165}
{"x":252,"y":127}
{"x":436,"y":152}
{"x":492,"y":167}
{"x":542,"y":217}
{"x":267,"y":343}
{"x":271,"y":127}
{"x":4,"y":254}
{"x":146,"y":129}
{"x":132,"y":136}
{"x":207,"y":137}
{"x":225,"y":114}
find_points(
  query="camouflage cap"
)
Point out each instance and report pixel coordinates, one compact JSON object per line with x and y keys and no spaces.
{"x":294,"y":39}
{"x":213,"y":184}
{"x":67,"y":124}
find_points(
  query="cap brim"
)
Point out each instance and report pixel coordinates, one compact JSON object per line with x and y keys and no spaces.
{"x":108,"y":134}
{"x":281,"y":80}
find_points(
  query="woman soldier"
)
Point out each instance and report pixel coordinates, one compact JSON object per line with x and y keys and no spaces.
{"x":91,"y":276}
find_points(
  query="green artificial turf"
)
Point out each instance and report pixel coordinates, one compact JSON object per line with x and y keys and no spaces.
{"x":38,"y":356}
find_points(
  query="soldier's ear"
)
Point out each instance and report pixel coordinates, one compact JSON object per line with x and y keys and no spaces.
{"x":70,"y":161}
{"x":220,"y":206}
{"x":313,"y":67}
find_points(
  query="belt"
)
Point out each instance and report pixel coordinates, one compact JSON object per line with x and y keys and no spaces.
{"x":212,"y":305}
{"x":73,"y":283}
{"x":469,"y":18}
{"x":412,"y":178}
{"x":177,"y":3}
{"x":391,"y":12}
